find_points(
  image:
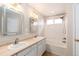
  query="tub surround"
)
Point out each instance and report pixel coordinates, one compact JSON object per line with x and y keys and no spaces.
{"x":4,"y":51}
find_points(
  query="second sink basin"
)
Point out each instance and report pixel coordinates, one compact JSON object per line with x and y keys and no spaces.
{"x":17,"y":46}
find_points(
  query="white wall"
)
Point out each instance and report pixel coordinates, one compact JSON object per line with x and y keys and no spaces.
{"x":69,"y":17}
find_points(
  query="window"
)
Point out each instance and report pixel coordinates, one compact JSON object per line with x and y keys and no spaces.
{"x":49,"y":22}
{"x":54,"y":21}
{"x":58,"y":21}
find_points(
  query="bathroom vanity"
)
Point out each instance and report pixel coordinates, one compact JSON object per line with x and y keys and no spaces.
{"x":20,"y":24}
{"x":29,"y":47}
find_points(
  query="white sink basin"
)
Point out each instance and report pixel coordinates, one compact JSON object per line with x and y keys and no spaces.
{"x":17,"y":46}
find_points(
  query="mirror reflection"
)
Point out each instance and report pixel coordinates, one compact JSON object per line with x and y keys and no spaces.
{"x":10,"y":22}
{"x":33,"y":25}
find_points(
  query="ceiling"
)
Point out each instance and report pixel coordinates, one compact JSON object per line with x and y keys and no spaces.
{"x":49,"y":9}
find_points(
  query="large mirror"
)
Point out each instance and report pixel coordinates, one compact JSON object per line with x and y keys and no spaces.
{"x":10,"y":22}
{"x":33,"y":25}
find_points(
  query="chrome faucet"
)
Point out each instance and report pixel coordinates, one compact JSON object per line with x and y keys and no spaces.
{"x":16,"y":41}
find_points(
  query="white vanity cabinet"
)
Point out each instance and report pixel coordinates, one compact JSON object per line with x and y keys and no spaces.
{"x":41,"y":47}
{"x":36,"y":49}
{"x":33,"y":51}
{"x":30,"y":51}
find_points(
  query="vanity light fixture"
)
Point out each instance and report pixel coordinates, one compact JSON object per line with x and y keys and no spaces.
{"x":14,"y":6}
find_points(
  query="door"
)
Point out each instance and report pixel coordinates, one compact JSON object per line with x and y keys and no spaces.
{"x":77,"y":29}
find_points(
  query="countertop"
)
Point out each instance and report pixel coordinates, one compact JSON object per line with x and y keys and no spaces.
{"x":5,"y":51}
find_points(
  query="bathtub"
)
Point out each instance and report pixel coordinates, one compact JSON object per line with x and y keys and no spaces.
{"x":57,"y":48}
